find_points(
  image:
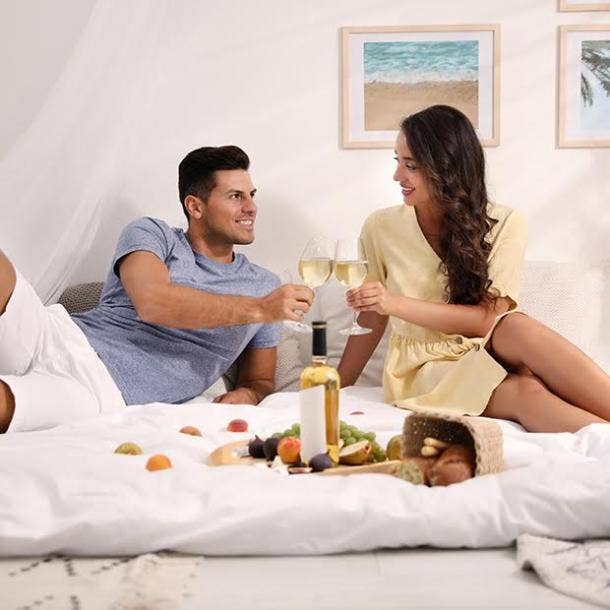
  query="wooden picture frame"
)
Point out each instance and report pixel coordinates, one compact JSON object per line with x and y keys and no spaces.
{"x":586,"y":5}
{"x":583,"y":114}
{"x":392,"y":71}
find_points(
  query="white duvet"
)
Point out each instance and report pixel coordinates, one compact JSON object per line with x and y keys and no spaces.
{"x":65,"y":491}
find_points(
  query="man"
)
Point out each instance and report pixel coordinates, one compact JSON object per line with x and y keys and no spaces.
{"x":178,"y":308}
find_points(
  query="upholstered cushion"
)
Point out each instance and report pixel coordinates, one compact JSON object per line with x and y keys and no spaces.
{"x":81,"y":297}
{"x":567,"y":297}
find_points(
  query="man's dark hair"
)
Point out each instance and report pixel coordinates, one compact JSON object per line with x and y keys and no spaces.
{"x":196,"y":172}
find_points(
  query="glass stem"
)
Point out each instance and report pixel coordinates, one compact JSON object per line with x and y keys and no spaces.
{"x":354,"y":319}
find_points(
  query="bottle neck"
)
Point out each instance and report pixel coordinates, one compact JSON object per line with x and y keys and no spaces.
{"x":318,"y":351}
{"x":319,"y":359}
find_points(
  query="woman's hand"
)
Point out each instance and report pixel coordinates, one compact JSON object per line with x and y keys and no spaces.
{"x":372,"y":296}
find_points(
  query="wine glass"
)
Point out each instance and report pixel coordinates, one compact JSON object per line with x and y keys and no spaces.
{"x":350,"y":270}
{"x":315,"y":268}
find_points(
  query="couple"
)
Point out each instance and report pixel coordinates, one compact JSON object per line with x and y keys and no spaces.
{"x":178,"y":308}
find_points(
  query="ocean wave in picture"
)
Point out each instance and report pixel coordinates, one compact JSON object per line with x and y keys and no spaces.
{"x":416,"y":62}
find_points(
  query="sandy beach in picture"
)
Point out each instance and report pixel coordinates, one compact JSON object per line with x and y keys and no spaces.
{"x":402,"y":77}
{"x":386,"y":104}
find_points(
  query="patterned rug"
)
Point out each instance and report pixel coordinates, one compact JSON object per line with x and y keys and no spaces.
{"x":159,"y":581}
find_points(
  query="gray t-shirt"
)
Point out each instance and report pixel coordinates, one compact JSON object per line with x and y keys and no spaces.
{"x":150,"y":362}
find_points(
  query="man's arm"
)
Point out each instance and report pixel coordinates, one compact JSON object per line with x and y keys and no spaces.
{"x":157,"y":300}
{"x":256,"y":377}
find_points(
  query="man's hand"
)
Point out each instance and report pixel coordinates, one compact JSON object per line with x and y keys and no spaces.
{"x":239,"y":396}
{"x":288,"y":302}
{"x":372,"y":296}
{"x":256,"y":372}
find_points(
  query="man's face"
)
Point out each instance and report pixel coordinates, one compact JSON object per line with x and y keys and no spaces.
{"x":229,"y":212}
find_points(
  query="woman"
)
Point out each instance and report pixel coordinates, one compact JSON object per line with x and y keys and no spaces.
{"x":445,"y":266}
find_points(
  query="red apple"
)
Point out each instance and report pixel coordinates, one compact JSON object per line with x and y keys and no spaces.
{"x":237,"y":425}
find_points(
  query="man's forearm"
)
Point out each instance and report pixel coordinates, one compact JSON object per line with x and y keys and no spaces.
{"x":183,"y":307}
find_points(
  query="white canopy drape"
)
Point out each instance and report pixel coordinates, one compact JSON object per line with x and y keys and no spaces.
{"x":60,"y":174}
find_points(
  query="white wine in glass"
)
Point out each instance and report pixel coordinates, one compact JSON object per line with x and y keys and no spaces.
{"x":315,"y":271}
{"x":315,"y":268}
{"x":351,"y":273}
{"x":351,"y":269}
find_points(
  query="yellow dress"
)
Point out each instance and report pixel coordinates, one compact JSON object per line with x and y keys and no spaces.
{"x":424,"y":368}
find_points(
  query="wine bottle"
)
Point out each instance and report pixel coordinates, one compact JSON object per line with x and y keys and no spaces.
{"x":319,"y":400}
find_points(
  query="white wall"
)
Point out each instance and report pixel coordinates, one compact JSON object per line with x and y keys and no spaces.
{"x":36,"y":39}
{"x":266,"y":75}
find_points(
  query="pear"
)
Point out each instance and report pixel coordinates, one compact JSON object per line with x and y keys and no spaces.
{"x":395,"y":448}
{"x":355,"y":454}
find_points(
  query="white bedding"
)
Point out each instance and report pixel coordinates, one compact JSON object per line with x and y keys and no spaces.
{"x":65,"y":491}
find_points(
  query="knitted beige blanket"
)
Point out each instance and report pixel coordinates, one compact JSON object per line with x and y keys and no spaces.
{"x":579,"y":569}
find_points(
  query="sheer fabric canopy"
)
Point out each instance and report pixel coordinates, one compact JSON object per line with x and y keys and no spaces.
{"x":56,"y":180}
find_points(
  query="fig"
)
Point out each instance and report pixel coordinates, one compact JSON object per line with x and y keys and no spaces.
{"x":320,"y":462}
{"x":255,"y":447}
{"x":355,"y":454}
{"x":395,"y":448}
{"x":270,"y":448}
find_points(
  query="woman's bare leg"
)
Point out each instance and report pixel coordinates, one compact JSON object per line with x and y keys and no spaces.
{"x":526,"y":400}
{"x":520,"y":341}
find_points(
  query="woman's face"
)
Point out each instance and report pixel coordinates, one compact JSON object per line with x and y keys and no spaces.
{"x":412,"y":180}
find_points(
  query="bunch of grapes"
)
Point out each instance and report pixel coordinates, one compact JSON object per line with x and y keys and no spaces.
{"x":349,"y":435}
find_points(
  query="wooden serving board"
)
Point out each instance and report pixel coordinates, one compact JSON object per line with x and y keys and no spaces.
{"x":229,"y":454}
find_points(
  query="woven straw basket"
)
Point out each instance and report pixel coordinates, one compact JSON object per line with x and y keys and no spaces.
{"x":482,"y":434}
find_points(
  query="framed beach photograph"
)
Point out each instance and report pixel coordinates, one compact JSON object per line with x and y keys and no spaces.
{"x":392,"y":71}
{"x":583,"y":5}
{"x":584,"y":86}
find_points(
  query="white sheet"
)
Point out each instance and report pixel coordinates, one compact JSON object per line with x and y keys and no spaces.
{"x":64,"y":490}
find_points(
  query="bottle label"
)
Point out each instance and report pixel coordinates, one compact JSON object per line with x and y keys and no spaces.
{"x":313,"y":422}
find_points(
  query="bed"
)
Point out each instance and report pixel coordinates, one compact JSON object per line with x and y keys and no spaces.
{"x":82,"y":527}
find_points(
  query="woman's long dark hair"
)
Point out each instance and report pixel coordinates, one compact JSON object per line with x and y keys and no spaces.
{"x":443,"y":142}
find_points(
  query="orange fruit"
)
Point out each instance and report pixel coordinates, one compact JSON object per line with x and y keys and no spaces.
{"x":158,"y":462}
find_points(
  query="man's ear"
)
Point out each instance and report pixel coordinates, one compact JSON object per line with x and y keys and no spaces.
{"x":194,"y":206}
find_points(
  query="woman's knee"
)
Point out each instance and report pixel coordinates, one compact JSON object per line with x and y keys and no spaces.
{"x":514,"y":395}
